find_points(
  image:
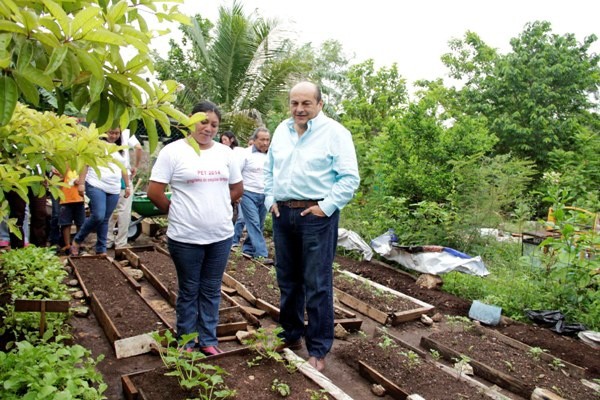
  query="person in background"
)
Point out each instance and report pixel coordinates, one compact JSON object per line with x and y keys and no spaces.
{"x":253,"y":200}
{"x":311,"y":173}
{"x":240,"y":224}
{"x":122,"y":214}
{"x":103,"y":192}
{"x":72,"y":208}
{"x":203,"y":186}
{"x":36,"y":207}
{"x":228,"y":139}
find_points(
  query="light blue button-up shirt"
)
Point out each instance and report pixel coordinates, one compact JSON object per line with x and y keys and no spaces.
{"x":320,"y":164}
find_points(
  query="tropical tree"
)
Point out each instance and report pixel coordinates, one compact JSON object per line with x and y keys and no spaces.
{"x":240,"y":63}
{"x":536,"y":98}
{"x":69,"y":55}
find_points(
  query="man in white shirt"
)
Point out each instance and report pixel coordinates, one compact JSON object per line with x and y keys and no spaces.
{"x":253,"y":199}
{"x":122,"y":214}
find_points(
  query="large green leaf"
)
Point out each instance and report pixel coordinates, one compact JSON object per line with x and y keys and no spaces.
{"x":8,"y":99}
{"x":82,"y":18}
{"x":28,"y":89}
{"x":56,"y":59}
{"x":58,"y":13}
{"x":25,"y":54}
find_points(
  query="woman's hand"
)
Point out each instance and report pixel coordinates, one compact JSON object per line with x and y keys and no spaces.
{"x":127,"y":192}
{"x":81,"y":189}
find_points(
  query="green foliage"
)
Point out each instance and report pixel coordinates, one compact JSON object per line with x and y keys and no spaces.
{"x":265,"y":343}
{"x":63,"y":56}
{"x":32,"y":143}
{"x":237,"y":62}
{"x":412,"y":361}
{"x":536,"y":98}
{"x":203,"y":379}
{"x":536,"y":352}
{"x":73,"y":49}
{"x":50,"y":371}
{"x":32,"y":273}
{"x":281,"y":388}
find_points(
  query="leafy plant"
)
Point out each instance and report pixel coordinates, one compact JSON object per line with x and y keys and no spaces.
{"x":556,"y":364}
{"x":461,"y":363}
{"x":459,"y":321}
{"x":435,"y":354}
{"x":412,"y":359}
{"x":509,"y":365}
{"x":317,"y":394}
{"x":386,"y":341}
{"x":191,"y":373}
{"x":536,"y":352}
{"x":266,"y":343}
{"x":33,"y":273}
{"x":282,"y":388}
{"x":50,"y":370}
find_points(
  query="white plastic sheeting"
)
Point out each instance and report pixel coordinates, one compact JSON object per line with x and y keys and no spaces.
{"x":434,"y":260}
{"x":351,"y":240}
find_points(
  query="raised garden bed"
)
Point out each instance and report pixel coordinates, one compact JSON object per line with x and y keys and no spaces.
{"x":257,"y":284}
{"x":403,"y":282}
{"x":379,"y":302}
{"x":249,"y":382}
{"x":508,"y":363}
{"x":157,"y":266}
{"x":387,"y":361}
{"x":125,"y":316}
{"x":159,"y":269}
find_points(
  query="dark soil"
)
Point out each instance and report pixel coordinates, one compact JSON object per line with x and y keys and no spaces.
{"x":249,"y":382}
{"x":515,"y":362}
{"x":259,"y":280}
{"x":87,"y":332}
{"x":130,"y":314}
{"x":566,"y":348}
{"x":406,"y":369}
{"x":401,"y":281}
{"x":380,"y":300}
{"x":161,"y":266}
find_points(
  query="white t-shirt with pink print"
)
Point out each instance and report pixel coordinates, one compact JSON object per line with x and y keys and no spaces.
{"x":200,"y":211}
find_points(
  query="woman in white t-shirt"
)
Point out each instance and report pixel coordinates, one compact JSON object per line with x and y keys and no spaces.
{"x":200,"y":231}
{"x":103,"y":192}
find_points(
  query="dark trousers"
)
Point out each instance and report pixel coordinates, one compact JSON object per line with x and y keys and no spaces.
{"x":37,"y":219}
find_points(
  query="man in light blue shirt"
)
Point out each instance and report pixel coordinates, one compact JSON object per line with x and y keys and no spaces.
{"x":310,"y":174}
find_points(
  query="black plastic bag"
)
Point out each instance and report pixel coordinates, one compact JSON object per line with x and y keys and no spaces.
{"x":555,"y":321}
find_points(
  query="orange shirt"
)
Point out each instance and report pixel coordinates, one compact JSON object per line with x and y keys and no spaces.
{"x":71,"y":192}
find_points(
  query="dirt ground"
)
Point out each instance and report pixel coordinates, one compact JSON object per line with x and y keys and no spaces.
{"x":88,"y":333}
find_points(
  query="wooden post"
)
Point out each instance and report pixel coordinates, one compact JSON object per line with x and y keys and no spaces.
{"x":42,"y":306}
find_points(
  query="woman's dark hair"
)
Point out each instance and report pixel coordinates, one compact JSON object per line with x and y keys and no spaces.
{"x":232,"y":138}
{"x":118,"y":142}
{"x":205,"y":106}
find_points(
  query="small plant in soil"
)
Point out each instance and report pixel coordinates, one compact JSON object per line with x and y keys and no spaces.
{"x":412,"y":359}
{"x":509,"y":365}
{"x":281,"y":388}
{"x":458,"y":321}
{"x":460,"y":364}
{"x":317,"y":394}
{"x":265,"y":343}
{"x":435,"y":354}
{"x":556,"y":364}
{"x":193,"y":375}
{"x":386,"y":342}
{"x":536,"y":352}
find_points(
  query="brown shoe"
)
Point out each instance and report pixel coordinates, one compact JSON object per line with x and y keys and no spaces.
{"x":295,"y":345}
{"x":317,"y":363}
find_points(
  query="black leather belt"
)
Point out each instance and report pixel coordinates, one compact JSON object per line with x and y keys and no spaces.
{"x":298,"y":203}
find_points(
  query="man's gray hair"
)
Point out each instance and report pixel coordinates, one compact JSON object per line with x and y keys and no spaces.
{"x":257,"y":131}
